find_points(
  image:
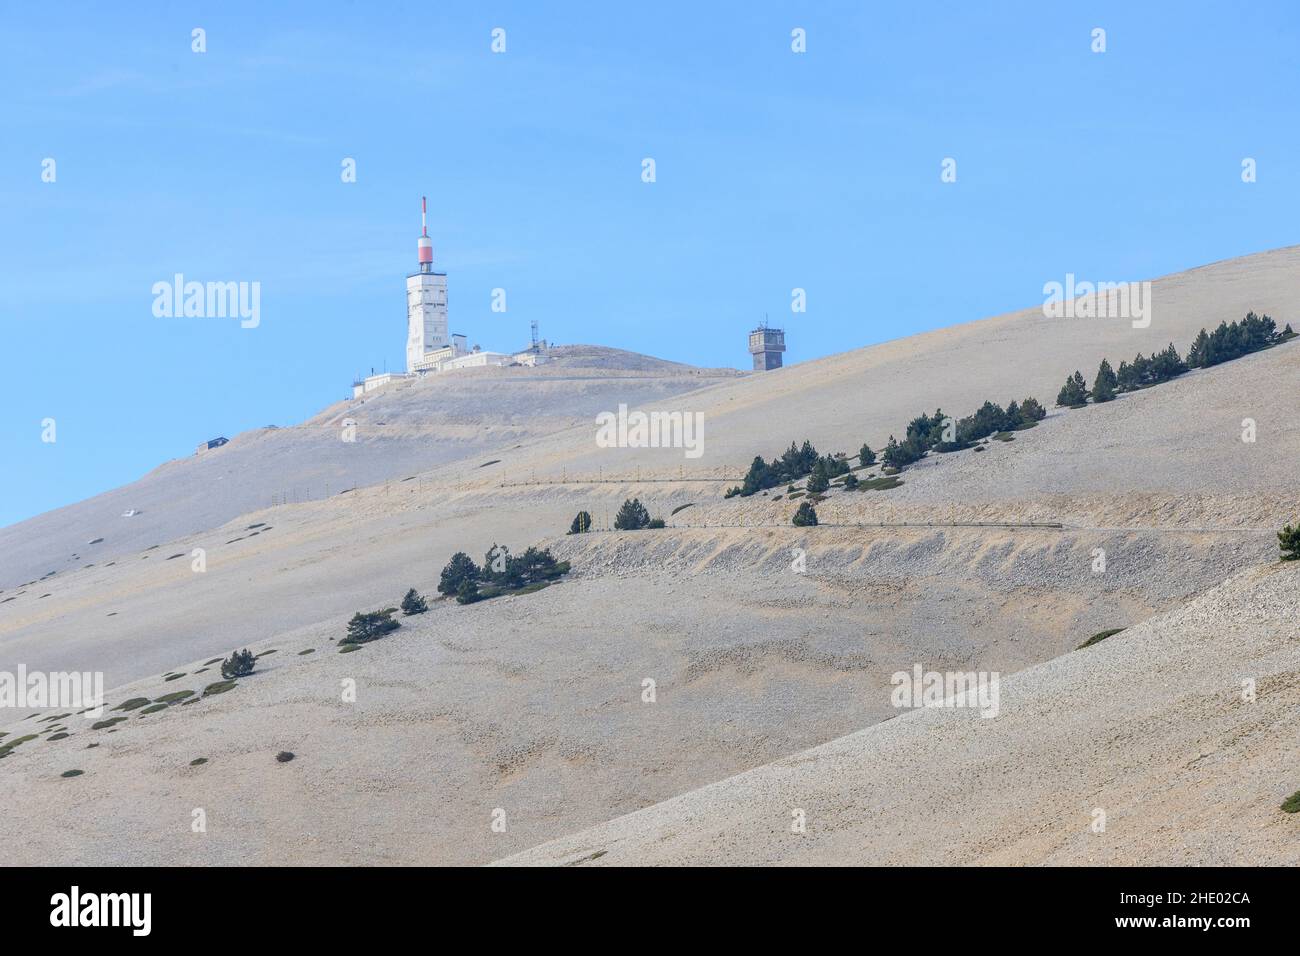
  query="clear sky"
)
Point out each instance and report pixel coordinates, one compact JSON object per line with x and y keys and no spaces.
{"x":774,"y":170}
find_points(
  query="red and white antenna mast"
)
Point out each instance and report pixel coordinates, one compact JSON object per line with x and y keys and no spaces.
{"x":425,"y":245}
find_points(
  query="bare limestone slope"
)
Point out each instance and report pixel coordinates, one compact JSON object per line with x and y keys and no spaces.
{"x":400,"y":430}
{"x":1150,"y":727}
{"x":534,"y":704}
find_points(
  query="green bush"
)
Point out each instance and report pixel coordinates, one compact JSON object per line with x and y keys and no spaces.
{"x":239,"y":664}
{"x":468,"y":593}
{"x":819,"y":480}
{"x":368,"y":626}
{"x":413,"y":603}
{"x":1074,"y":393}
{"x":632,"y":516}
{"x":460,"y":568}
{"x":1288,"y":539}
{"x":1103,"y":386}
{"x":806,"y":516}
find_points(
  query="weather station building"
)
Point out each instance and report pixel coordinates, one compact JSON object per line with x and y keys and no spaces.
{"x":430,"y":345}
{"x":766,"y":345}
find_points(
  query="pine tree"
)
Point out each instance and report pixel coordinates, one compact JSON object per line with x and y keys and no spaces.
{"x":460,"y":568}
{"x":633,"y":516}
{"x":1103,"y":386}
{"x":1031,"y":411}
{"x":467,"y":593}
{"x":1288,"y":539}
{"x":866,"y":457}
{"x":806,"y":516}
{"x":757,"y":478}
{"x":818,"y":480}
{"x":1074,"y":392}
{"x":238,"y":664}
{"x":413,"y":603}
{"x":581,"y":523}
{"x":1198,"y":354}
{"x":369,"y":626}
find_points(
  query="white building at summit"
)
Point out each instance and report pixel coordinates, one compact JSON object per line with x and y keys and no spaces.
{"x":430,"y":346}
{"x":428,"y":342}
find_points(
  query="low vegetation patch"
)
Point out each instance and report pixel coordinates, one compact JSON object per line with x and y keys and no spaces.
{"x":1288,"y":540}
{"x":175,"y":696}
{"x":310,"y":650}
{"x":284,"y":756}
{"x":805,"y":516}
{"x":72,"y":773}
{"x":501,"y":573}
{"x":8,"y":747}
{"x":220,"y":687}
{"x":370,"y":626}
{"x":104,"y":724}
{"x":239,"y":664}
{"x":132,"y":704}
{"x":1292,"y":803}
{"x":153,"y":709}
{"x":883,"y":483}
{"x":681,"y":508}
{"x":633,"y":516}
{"x":198,"y":761}
{"x":1099,"y":637}
{"x":414,"y":603}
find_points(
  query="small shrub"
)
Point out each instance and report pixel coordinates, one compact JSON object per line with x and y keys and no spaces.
{"x":1288,"y":539}
{"x":632,"y":516}
{"x":102,"y":724}
{"x":413,"y":603}
{"x":220,"y":687}
{"x":468,"y":593}
{"x":284,"y":756}
{"x":239,"y":664}
{"x":72,"y":773}
{"x":656,"y":523}
{"x":805,"y":517}
{"x":153,"y":709}
{"x":132,"y":704}
{"x":1292,"y":803}
{"x":850,"y":482}
{"x":198,"y":761}
{"x":459,"y":569}
{"x":370,"y":626}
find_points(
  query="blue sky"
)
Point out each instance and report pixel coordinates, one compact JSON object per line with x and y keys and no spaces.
{"x":775,"y":170}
